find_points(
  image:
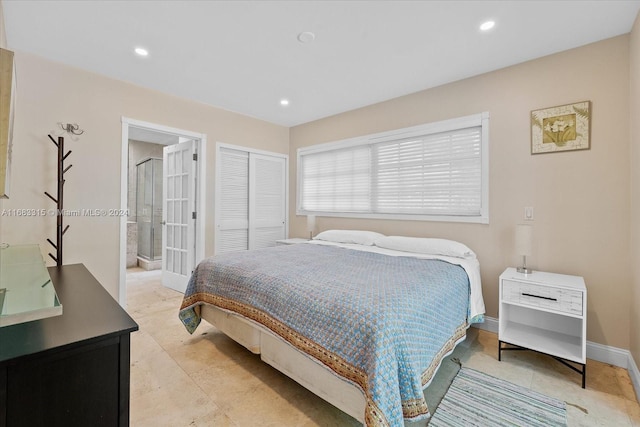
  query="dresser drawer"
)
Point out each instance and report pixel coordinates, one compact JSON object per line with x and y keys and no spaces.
{"x":539,"y":296}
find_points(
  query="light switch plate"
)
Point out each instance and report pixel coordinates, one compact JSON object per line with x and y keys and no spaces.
{"x":528,"y":213}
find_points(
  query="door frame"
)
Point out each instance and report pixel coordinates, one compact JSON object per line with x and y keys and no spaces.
{"x":201,"y":144}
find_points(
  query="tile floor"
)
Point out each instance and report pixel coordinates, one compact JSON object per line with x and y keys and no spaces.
{"x":206,"y":379}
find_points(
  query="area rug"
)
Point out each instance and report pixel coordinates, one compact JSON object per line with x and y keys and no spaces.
{"x":477,"y":399}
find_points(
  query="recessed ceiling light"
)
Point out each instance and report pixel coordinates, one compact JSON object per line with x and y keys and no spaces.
{"x":306,"y":37}
{"x":486,"y":26}
{"x":141,"y":51}
{"x":284,"y":102}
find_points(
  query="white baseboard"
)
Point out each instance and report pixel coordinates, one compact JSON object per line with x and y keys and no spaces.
{"x":602,"y":353}
{"x":490,"y":324}
{"x":607,"y":354}
{"x":635,"y":375}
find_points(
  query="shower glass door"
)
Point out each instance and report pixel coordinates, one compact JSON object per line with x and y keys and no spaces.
{"x":149,"y":208}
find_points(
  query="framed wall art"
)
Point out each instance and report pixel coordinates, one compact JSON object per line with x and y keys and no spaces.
{"x":562,"y":128}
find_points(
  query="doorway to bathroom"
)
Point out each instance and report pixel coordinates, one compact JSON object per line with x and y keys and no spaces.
{"x":163,"y":196}
{"x":144,"y":223}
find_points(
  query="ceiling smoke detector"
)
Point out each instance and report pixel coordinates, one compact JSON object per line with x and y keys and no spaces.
{"x":306,"y":37}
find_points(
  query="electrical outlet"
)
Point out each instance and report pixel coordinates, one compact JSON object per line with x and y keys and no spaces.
{"x":528,"y":213}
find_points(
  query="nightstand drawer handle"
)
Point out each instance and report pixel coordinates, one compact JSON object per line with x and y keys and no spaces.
{"x":538,"y":296}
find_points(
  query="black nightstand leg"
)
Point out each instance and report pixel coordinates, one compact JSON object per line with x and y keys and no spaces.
{"x":566,"y":363}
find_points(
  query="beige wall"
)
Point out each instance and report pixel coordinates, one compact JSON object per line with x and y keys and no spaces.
{"x":581,"y":199}
{"x":48,"y":93}
{"x":634,"y":51}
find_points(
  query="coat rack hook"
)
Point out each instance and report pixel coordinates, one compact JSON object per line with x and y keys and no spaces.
{"x":72,"y":128}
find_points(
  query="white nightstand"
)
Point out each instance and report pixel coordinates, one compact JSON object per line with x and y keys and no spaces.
{"x":544,"y":312}
{"x":292,"y":241}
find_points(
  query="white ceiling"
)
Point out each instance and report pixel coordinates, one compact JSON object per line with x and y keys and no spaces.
{"x":244,"y":56}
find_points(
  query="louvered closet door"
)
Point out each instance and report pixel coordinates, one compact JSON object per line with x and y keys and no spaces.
{"x":251,"y":198}
{"x":232,"y":233}
{"x":267,"y":200}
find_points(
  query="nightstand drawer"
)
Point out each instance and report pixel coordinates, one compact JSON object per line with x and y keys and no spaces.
{"x":539,"y":296}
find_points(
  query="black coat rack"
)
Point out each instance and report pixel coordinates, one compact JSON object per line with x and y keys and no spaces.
{"x":60,"y":230}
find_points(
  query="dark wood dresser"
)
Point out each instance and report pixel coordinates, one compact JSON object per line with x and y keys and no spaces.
{"x":72,"y":369}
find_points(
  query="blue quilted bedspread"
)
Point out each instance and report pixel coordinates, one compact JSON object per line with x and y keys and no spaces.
{"x":382,"y":322}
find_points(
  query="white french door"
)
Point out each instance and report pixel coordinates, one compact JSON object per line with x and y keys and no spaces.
{"x":251,"y":199}
{"x":178,"y":214}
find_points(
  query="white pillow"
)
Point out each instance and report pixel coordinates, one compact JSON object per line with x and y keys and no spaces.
{"x":424,"y":245}
{"x":359,"y":237}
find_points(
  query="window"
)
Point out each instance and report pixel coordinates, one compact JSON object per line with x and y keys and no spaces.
{"x":437,"y":171}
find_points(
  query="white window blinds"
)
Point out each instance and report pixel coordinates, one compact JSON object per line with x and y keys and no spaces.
{"x":338,"y":180}
{"x":436,"y":171}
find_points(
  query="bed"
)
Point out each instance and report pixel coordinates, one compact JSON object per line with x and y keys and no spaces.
{"x":364,"y":323}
